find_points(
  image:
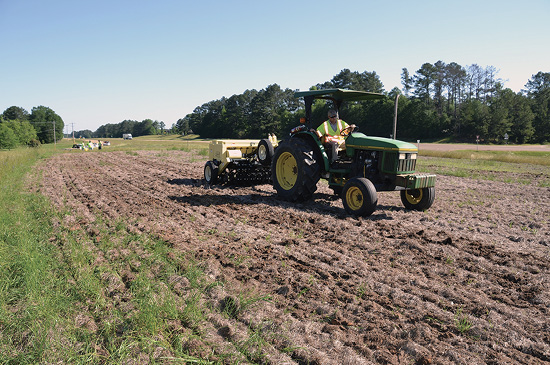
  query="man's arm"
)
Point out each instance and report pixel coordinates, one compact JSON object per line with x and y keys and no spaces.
{"x":321,"y":130}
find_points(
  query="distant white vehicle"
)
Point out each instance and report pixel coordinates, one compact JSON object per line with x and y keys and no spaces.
{"x":127,"y":136}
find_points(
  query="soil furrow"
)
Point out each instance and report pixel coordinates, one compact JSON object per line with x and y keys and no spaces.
{"x":464,"y":282}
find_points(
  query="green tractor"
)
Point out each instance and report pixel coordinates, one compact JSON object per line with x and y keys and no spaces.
{"x":366,"y":166}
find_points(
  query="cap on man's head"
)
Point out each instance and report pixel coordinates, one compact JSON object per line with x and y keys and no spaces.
{"x":332,"y":113}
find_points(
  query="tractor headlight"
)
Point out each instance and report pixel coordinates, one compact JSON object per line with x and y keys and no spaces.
{"x":413,"y":156}
{"x":402,"y":156}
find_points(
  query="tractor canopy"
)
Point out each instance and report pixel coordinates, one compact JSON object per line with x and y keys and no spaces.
{"x":336,"y":95}
{"x":339,"y":95}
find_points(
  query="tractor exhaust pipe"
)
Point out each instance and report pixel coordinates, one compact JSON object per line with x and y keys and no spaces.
{"x":395,"y":117}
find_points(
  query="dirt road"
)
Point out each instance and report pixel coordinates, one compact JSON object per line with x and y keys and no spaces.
{"x":481,"y":147}
{"x":466,"y":282}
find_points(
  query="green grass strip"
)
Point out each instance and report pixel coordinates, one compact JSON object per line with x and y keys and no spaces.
{"x":33,"y":291}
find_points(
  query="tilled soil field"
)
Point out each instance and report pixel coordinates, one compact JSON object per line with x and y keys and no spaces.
{"x":465,"y":282}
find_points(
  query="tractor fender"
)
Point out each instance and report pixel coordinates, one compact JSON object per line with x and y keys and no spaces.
{"x":316,"y":144}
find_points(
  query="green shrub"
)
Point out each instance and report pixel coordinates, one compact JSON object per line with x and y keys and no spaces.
{"x":8,"y":139}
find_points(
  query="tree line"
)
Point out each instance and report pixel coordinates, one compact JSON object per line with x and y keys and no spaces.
{"x":116,"y":130}
{"x":19,"y":128}
{"x":439,"y":101}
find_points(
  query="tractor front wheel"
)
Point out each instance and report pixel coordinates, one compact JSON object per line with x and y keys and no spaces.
{"x":359,"y":197}
{"x":295,"y":170}
{"x":418,"y":199}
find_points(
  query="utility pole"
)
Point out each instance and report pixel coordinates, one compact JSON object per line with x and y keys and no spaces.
{"x":54,"y":139}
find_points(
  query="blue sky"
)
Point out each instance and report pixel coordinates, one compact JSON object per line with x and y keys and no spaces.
{"x":98,"y":62}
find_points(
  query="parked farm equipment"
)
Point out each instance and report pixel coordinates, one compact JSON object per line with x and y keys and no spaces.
{"x":366,"y":166}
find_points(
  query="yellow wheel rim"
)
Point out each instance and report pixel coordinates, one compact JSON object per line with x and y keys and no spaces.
{"x":286,"y":170}
{"x":414,"y":196}
{"x":354,"y":198}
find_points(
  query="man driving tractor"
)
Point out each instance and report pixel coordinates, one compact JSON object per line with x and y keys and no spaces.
{"x":330,"y":132}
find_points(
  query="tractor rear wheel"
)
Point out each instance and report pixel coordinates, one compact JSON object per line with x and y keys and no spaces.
{"x":359,"y":197}
{"x":295,"y":170}
{"x":210,"y":173}
{"x":418,"y":199}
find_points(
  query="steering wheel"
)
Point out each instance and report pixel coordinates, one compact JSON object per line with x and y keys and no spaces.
{"x":347,"y":131}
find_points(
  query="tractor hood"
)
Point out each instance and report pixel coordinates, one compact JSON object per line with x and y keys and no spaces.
{"x":363,"y":142}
